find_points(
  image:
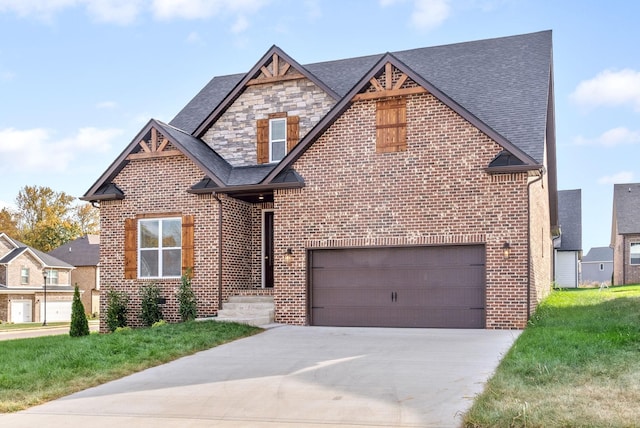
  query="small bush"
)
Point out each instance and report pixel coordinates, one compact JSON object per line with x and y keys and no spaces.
{"x":116,"y":309}
{"x":187,"y":299}
{"x":122,"y":330}
{"x":159,"y":323}
{"x":79,"y":322}
{"x":150,"y":310}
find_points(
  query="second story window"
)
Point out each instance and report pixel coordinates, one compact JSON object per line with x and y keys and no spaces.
{"x":276,"y":136}
{"x":24,"y":276}
{"x":52,"y":277}
{"x":277,"y":139}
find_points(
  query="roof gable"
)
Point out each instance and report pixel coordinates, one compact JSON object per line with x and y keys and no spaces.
{"x":158,"y":139}
{"x":83,"y":251}
{"x":43,"y":258}
{"x":626,"y":206}
{"x":274,"y":66}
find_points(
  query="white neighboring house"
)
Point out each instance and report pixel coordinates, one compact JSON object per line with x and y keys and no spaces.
{"x":597,"y":266}
{"x":568,"y":247}
{"x":22,"y":284}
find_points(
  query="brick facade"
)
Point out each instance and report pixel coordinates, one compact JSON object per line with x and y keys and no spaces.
{"x":623,"y":271}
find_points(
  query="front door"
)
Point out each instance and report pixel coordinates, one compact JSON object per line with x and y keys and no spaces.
{"x":267,"y":249}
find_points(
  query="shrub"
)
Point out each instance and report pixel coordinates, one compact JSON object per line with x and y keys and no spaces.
{"x":116,"y":309}
{"x":150,"y":310}
{"x":187,"y":299}
{"x":122,"y":330}
{"x":79,"y":322}
{"x":159,"y":323}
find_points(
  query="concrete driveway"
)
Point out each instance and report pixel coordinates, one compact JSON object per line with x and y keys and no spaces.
{"x":296,"y":376}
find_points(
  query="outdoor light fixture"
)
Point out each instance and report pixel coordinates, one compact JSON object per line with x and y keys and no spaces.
{"x":506,"y":250}
{"x":288,"y":257}
{"x":44,"y":275}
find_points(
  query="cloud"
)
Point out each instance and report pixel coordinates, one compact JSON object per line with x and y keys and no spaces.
{"x":611,"y":138}
{"x":240,"y":25}
{"x":125,"y":12}
{"x":106,"y":105}
{"x":314,"y":11}
{"x":37,"y":149}
{"x":609,"y":88}
{"x":621,"y":177}
{"x":121,"y":12}
{"x":194,"y":38}
{"x":6,"y":75}
{"x":40,"y":9}
{"x":426,"y":14}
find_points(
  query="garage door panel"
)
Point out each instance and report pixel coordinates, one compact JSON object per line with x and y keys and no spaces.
{"x":395,"y":287}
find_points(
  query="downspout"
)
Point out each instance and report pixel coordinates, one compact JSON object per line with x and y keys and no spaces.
{"x":215,"y":195}
{"x":529,"y":242}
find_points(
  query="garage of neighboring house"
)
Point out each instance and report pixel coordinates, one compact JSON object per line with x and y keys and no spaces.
{"x":421,"y":286}
{"x":57,"y":311}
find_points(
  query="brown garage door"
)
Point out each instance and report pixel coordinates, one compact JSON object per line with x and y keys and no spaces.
{"x":436,"y":287}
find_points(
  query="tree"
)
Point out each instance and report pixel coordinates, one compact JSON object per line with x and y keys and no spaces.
{"x":187,"y":298}
{"x":79,"y":322}
{"x":45,"y":217}
{"x":8,"y":223}
{"x":87,"y":218}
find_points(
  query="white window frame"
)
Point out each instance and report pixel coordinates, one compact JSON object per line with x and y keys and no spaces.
{"x":24,"y":276}
{"x":634,"y":253}
{"x":279,"y":140}
{"x":52,"y":277}
{"x":160,"y":248}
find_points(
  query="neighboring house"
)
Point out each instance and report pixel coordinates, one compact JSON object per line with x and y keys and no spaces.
{"x":84,"y":254}
{"x":568,"y":246}
{"x":597,"y":266}
{"x":414,"y":188}
{"x":22,"y":290}
{"x":625,"y":233}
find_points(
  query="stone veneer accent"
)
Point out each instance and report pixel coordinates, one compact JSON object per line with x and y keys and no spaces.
{"x":233,"y":135}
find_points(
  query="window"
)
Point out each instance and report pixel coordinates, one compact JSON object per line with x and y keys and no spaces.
{"x":391,"y":125}
{"x":24,"y":276}
{"x":276,"y":136}
{"x":160,"y":248}
{"x":277,"y":139}
{"x":52,"y":277}
{"x":635,"y":253}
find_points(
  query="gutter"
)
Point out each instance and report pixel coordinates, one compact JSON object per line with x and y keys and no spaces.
{"x":542,"y":172}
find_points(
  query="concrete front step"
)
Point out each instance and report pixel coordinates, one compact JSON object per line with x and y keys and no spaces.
{"x":252,"y":310}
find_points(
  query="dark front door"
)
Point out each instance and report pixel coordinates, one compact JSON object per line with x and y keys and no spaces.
{"x":399,"y":287}
{"x":267,"y":249}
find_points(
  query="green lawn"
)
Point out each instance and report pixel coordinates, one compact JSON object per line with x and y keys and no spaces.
{"x":576,"y":365}
{"x":40,"y":369}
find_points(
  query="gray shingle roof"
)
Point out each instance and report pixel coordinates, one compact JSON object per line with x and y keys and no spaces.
{"x":48,"y":260}
{"x":504,"y":82}
{"x":84,"y":251}
{"x":570,"y":218}
{"x":599,"y":254}
{"x":626,"y":207}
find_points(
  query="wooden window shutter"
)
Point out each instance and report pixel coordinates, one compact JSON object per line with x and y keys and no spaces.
{"x":391,"y":125}
{"x":293,"y":132}
{"x":262,"y":148}
{"x":130,"y":248}
{"x":187,"y":243}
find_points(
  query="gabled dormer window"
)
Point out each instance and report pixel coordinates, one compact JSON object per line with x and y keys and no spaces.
{"x":276,"y":136}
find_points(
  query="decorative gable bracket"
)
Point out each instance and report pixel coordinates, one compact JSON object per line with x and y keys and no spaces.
{"x":386,"y":87}
{"x":153,"y":145}
{"x":275,"y":71}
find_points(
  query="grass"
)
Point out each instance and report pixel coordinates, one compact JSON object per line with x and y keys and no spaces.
{"x":577,"y":364}
{"x":33,"y":371}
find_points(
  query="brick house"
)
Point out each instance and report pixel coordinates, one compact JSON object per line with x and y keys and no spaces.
{"x":625,"y":233}
{"x":83,"y":253}
{"x":22,"y":290}
{"x":414,"y":188}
